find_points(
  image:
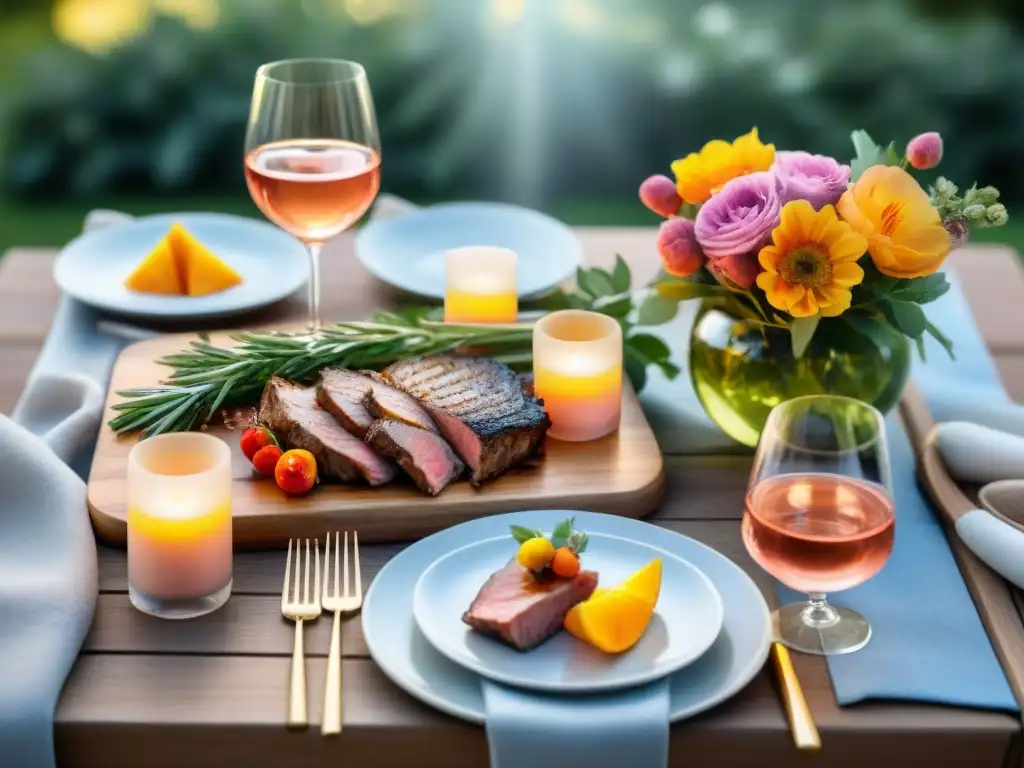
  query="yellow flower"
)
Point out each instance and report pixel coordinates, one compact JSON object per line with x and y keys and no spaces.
{"x":811,"y":264}
{"x":700,"y":174}
{"x":904,"y":231}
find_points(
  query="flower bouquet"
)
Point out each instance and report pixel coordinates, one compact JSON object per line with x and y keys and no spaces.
{"x":812,"y":273}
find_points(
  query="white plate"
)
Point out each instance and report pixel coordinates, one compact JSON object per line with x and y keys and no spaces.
{"x":407,"y":251}
{"x":405,"y":656}
{"x":687,"y":620}
{"x":94,"y":266}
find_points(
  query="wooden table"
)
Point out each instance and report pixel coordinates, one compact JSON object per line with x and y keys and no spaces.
{"x":212,"y":692}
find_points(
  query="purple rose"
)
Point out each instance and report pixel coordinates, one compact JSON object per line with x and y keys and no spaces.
{"x":739,"y":218}
{"x":818,"y":179}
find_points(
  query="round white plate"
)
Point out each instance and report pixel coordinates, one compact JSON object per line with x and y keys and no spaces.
{"x":407,"y":251}
{"x":93,"y":267}
{"x":405,"y":656}
{"x":687,"y":619}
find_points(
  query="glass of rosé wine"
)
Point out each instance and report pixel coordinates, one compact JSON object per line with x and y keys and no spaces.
{"x":819,"y":514}
{"x":312,"y":152}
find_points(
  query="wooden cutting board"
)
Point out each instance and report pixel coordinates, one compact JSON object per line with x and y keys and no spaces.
{"x":621,"y":474}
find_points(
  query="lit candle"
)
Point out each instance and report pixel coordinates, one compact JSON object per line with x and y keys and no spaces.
{"x":480,"y":285}
{"x":179,"y":524}
{"x":577,"y":369}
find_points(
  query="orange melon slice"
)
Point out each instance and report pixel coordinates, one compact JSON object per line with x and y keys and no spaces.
{"x":204,"y":272}
{"x":158,"y":273}
{"x":615,"y":619}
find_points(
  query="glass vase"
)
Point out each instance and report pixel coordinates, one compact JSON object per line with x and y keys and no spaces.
{"x":740,"y":370}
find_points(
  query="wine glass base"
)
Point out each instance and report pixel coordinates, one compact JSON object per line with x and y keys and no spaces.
{"x":850,"y":633}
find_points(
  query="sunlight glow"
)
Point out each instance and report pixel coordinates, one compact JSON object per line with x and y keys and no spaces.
{"x":98,"y":25}
{"x":581,"y":15}
{"x":508,"y":11}
{"x":198,"y":14}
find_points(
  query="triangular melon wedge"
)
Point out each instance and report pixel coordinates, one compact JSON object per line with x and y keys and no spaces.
{"x":159,"y":272}
{"x":204,"y":273}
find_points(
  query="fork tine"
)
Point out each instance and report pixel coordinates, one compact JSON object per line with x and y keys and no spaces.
{"x":287,"y":574}
{"x":358,"y":573}
{"x":327,"y":570}
{"x":347,"y":593}
{"x":337,"y":562}
{"x":316,"y":571}
{"x":297,"y":583}
{"x":305,"y":592}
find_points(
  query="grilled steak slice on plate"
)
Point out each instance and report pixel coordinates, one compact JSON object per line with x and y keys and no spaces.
{"x":425,"y":456}
{"x":384,"y":401}
{"x":480,"y":406}
{"x":341,"y":393}
{"x":292,"y":412}
{"x":514,"y":606}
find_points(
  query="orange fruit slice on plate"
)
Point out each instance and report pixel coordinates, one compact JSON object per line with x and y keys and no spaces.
{"x":615,"y":619}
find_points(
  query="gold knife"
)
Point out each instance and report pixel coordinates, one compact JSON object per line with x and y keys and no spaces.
{"x":801,"y":724}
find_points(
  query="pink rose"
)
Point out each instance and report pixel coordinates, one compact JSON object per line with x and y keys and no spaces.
{"x":818,"y":179}
{"x":924,"y":151}
{"x":659,"y":193}
{"x":680,"y":253}
{"x":741,"y":269}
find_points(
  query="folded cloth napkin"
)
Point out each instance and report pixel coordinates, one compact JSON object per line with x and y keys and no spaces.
{"x":48,"y":571}
{"x":919,"y":607}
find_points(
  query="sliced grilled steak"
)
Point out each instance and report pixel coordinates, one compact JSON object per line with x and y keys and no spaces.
{"x":425,"y":456}
{"x":384,"y":401}
{"x":341,"y":393}
{"x":292,"y":412}
{"x":480,"y":406}
{"x":515,"y":607}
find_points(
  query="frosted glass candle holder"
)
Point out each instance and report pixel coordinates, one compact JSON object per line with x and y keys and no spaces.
{"x":577,"y":368}
{"x":480,"y":285}
{"x":179,"y":525}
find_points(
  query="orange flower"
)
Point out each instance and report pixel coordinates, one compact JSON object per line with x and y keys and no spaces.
{"x":904,"y":231}
{"x":811,"y":264}
{"x":700,"y":174}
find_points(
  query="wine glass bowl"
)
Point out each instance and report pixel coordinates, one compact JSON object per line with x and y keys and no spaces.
{"x":312,"y":152}
{"x":819,"y":514}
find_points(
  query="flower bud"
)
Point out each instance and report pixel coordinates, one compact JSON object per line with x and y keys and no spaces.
{"x":975,"y":212}
{"x":958,"y":232}
{"x":659,"y":194}
{"x":680,"y":253}
{"x":944,"y":187}
{"x":987,"y":195}
{"x":996,"y":215}
{"x":924,"y":151}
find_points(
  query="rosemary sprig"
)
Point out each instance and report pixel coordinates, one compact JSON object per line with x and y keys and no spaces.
{"x":205,"y":376}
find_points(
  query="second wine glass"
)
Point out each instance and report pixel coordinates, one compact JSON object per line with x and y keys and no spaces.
{"x":312,"y":152}
{"x":819,"y":514}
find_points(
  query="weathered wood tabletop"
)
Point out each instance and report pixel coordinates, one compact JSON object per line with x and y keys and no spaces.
{"x":212,"y":692}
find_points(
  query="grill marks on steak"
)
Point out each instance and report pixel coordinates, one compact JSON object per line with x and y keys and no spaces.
{"x":293,"y":413}
{"x":386,"y":402}
{"x":424,"y":455}
{"x":515,"y":607}
{"x":480,"y":406}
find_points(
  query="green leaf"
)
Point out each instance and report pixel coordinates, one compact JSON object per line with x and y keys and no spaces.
{"x":596,"y":282}
{"x":904,"y":316}
{"x":892,"y":156}
{"x":649,"y":348}
{"x":868,"y":153}
{"x":556,"y":301}
{"x":635,"y":367}
{"x":621,"y":278}
{"x":671,"y":370}
{"x":656,"y":310}
{"x":801,"y":332}
{"x":619,"y":308}
{"x":874,"y":281}
{"x":560,"y":536}
{"x":521,"y":534}
{"x":921,"y":290}
{"x":919,"y":341}
{"x":683,"y":289}
{"x":578,"y":542}
{"x":940,"y":337}
{"x":879,"y":332}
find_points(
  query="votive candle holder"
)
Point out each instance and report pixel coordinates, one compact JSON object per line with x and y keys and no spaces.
{"x":480,"y":285}
{"x":179,"y":525}
{"x":577,"y":369}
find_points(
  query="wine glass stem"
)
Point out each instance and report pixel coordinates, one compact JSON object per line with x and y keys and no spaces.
{"x":818,"y":613}
{"x":313,"y":325}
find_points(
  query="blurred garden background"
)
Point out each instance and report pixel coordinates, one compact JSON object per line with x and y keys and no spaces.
{"x":562,"y":105}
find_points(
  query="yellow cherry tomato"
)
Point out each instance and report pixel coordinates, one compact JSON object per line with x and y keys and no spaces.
{"x":536,"y":553}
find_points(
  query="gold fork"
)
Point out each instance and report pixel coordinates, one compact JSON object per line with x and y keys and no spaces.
{"x":300,"y":608}
{"x":345,"y":600}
